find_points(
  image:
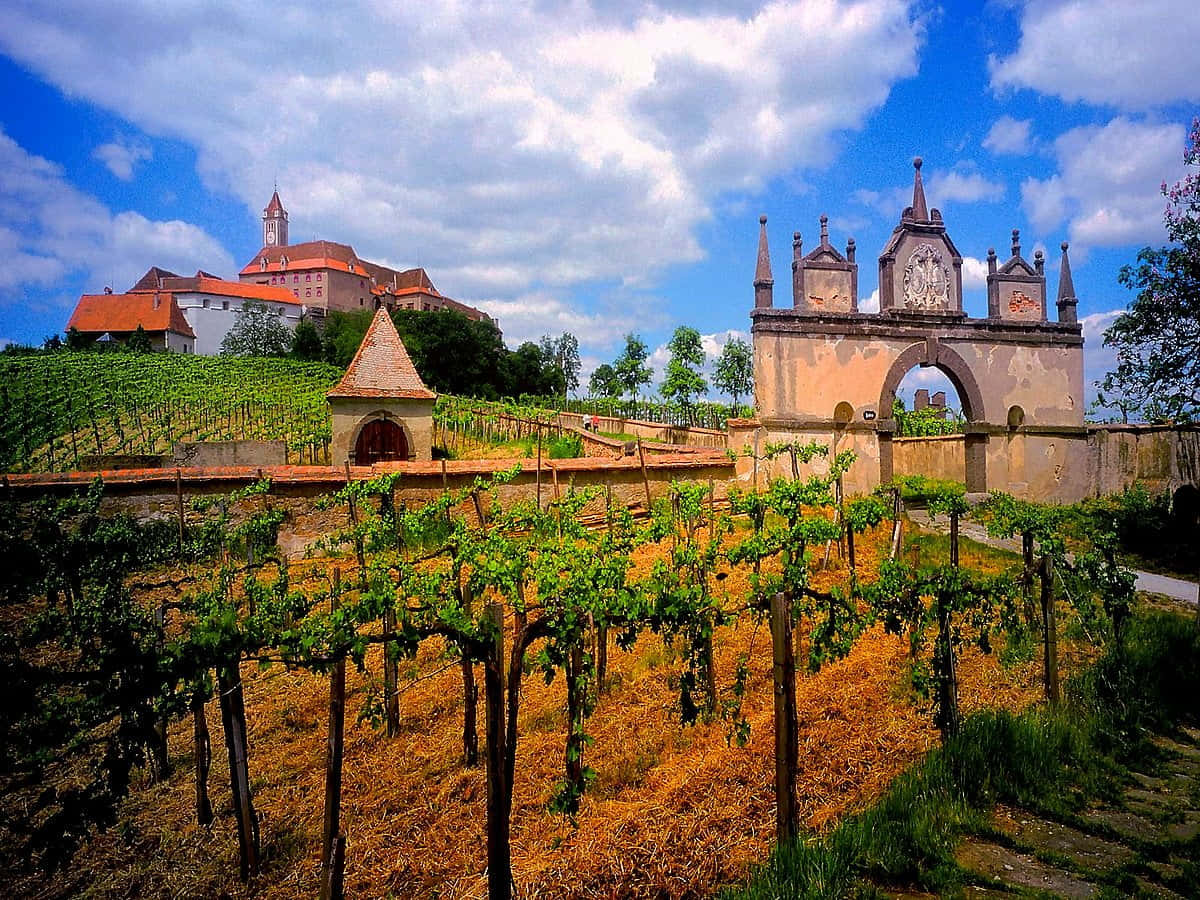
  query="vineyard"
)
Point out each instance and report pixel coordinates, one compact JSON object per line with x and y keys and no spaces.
{"x":593,"y":704}
{"x":57,"y":408}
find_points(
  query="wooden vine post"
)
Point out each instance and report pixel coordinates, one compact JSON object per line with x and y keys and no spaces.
{"x":233,"y":717}
{"x":786,"y":750}
{"x":203,"y":754}
{"x":1027,"y":577}
{"x":498,"y":796}
{"x":179,"y":507}
{"x":1050,"y":632}
{"x":897,"y":522}
{"x":645,"y":477}
{"x":332,"y":861}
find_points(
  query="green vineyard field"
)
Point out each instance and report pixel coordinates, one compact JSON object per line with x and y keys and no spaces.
{"x":57,"y":408}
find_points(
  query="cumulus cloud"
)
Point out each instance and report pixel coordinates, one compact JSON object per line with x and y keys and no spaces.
{"x":1010,"y":136}
{"x":869,"y":304}
{"x":974,"y":274}
{"x":1129,"y":55}
{"x":548,"y":144}
{"x":528,"y":317}
{"x":120,"y":156}
{"x":1107,"y":185}
{"x":960,"y":184}
{"x":56,"y":231}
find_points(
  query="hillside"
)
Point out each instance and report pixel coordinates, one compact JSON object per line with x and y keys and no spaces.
{"x":56,"y":408}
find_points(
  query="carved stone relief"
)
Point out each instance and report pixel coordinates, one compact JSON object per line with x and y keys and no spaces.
{"x":926,"y":280}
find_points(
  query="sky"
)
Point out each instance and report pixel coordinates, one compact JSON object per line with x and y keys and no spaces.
{"x":597,"y":168}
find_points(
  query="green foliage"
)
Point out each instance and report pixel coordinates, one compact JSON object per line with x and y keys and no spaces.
{"x":604,"y":382}
{"x":139,"y":341}
{"x":257,"y":331}
{"x":306,"y":342}
{"x":565,"y":446}
{"x":928,"y":422}
{"x":343,"y":333}
{"x":1150,"y":530}
{"x":1157,"y":342}
{"x":58,"y":407}
{"x":683,"y":382}
{"x":734,"y":373}
{"x":563,"y":354}
{"x":630,"y":366}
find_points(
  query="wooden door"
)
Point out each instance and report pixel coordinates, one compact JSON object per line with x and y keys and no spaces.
{"x":380,"y":441}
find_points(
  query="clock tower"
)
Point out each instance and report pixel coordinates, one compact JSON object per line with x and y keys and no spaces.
{"x":275,"y":223}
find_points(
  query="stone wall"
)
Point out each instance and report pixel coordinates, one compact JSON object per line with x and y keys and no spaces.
{"x":229,"y":453}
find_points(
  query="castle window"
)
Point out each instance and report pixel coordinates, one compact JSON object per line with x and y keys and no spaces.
{"x":308,"y":292}
{"x":318,"y":290}
{"x":225,"y":304}
{"x":360,"y":301}
{"x":296,"y":292}
{"x":308,"y":277}
{"x":295,"y":279}
{"x":318,"y":276}
{"x":280,"y":311}
{"x":206,"y":303}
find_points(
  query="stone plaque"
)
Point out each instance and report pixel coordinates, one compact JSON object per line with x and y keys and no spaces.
{"x":926,"y":280}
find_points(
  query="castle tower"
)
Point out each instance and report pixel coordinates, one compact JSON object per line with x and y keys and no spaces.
{"x":275,"y":223}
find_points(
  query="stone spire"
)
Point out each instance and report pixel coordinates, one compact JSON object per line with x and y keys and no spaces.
{"x":1067,"y":300}
{"x":763,"y":282}
{"x":824,"y":231}
{"x":919,"y":207}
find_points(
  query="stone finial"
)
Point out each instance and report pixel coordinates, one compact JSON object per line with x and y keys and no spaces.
{"x":1016,"y":242}
{"x":1039,"y":262}
{"x":763,"y":282}
{"x":850,"y":250}
{"x":991,"y":260}
{"x":919,"y":207}
{"x":797,"y":243}
{"x":824,"y":231}
{"x":1067,"y":301}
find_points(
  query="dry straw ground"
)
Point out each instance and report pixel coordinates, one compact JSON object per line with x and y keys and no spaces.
{"x":674,"y":812}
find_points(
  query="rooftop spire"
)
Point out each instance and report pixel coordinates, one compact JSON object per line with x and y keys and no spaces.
{"x":824,"y":231}
{"x":1066,"y":290}
{"x":920,"y":209}
{"x":763,"y":282}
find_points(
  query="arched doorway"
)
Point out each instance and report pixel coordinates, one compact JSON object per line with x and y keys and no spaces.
{"x":932,"y":352}
{"x":380,"y":440}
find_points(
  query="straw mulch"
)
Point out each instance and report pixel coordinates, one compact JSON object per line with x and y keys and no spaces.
{"x":674,"y":812}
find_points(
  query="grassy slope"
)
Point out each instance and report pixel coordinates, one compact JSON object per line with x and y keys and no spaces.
{"x":58,"y":407}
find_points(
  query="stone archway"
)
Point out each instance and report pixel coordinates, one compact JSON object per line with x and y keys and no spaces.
{"x":380,"y":440}
{"x":931,"y":352}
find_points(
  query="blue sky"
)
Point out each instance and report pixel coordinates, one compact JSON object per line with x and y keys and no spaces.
{"x":583,"y":167}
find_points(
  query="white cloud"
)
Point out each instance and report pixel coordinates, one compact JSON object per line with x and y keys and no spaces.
{"x":120,"y":156}
{"x":961,"y":184}
{"x":870,"y":304}
{"x":57,"y":231}
{"x":974,"y":274}
{"x":712,"y":344}
{"x":530,"y":316}
{"x":1107,"y":185}
{"x":550,"y":145}
{"x":1130,"y":55}
{"x":1010,"y":136}
{"x":1097,"y":359}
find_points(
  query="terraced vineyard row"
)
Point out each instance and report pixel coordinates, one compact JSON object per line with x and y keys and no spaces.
{"x":57,"y":408}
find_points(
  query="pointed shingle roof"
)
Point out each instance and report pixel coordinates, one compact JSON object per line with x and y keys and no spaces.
{"x":274,"y":206}
{"x":381,"y":368}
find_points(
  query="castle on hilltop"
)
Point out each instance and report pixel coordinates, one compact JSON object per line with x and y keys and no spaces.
{"x":328,"y":276}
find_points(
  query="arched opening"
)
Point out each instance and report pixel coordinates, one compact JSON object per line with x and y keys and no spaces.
{"x":1016,"y":417}
{"x":937,"y":369}
{"x":380,"y":440}
{"x":842,"y":414}
{"x":1185,"y":505}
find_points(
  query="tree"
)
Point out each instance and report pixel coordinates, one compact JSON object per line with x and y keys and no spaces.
{"x":604,"y":382}
{"x":306,"y":342}
{"x":630,"y":366}
{"x":344,"y":331}
{"x":683,"y":382}
{"x":256,"y":331}
{"x":529,"y":371}
{"x":735,"y":369}
{"x":454,"y":354}
{"x":1157,"y":341}
{"x":563,"y":352}
{"x":76,"y":340}
{"x":139,"y":341}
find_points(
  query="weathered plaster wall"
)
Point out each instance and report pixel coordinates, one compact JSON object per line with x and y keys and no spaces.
{"x":1045,"y":380}
{"x":414,"y":416}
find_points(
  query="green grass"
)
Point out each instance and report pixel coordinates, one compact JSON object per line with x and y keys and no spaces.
{"x":1049,"y":761}
{"x":58,"y":407}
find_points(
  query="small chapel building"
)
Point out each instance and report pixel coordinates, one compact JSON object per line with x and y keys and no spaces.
{"x":381,"y":410}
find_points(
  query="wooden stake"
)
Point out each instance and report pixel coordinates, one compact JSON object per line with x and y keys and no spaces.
{"x":645,"y":477}
{"x":332,"y":831}
{"x":786,"y":753}
{"x":179,"y":506}
{"x":1050,"y":632}
{"x":498,"y":851}
{"x":203,"y":754}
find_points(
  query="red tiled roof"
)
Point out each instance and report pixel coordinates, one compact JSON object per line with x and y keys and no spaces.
{"x":308,"y":255}
{"x":211,"y":285}
{"x":123,"y":313}
{"x":381,"y":367}
{"x":149,"y":281}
